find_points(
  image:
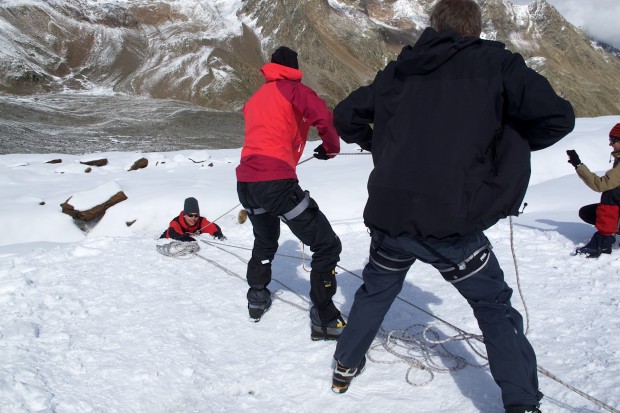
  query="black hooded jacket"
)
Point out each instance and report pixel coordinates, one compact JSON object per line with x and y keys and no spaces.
{"x":451,"y":124}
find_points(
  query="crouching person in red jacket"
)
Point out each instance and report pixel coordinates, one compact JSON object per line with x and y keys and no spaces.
{"x":604,"y":215}
{"x":189,"y":223}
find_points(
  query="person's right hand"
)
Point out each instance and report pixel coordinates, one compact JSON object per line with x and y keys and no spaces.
{"x":573,"y":158}
{"x":321,"y":153}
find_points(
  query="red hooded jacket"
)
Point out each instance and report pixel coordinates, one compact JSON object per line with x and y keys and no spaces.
{"x":277,"y":119}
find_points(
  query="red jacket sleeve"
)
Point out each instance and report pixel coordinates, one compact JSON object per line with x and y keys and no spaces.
{"x":174,"y":231}
{"x":315,"y":110}
{"x":208,"y":227}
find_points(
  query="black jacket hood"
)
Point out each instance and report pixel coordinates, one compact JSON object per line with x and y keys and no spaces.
{"x":433,"y":49}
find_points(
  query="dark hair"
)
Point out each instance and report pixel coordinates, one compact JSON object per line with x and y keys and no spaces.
{"x":462,"y":16}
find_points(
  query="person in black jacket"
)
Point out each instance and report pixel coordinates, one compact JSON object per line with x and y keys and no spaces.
{"x":450,"y":124}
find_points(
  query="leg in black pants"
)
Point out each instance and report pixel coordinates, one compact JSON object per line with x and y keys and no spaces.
{"x":268,"y":203}
{"x":587,"y":213}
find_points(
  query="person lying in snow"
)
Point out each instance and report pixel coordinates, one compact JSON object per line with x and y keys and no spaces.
{"x":189,"y":223}
{"x":603,"y":215}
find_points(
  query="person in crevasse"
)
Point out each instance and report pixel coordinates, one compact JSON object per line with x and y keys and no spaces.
{"x":603,"y":215}
{"x":278,"y":117}
{"x":451,"y":125}
{"x":189,"y":224}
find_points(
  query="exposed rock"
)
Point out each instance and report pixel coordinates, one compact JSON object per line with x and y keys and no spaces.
{"x":95,"y":162}
{"x":95,"y":212}
{"x":139,"y":164}
{"x":55,"y":161}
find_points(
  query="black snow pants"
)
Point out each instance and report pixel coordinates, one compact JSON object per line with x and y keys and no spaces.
{"x":511,"y":358}
{"x":270,"y":202}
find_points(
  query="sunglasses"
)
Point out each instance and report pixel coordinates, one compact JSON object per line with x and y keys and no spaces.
{"x":614,"y":140}
{"x":192,"y":215}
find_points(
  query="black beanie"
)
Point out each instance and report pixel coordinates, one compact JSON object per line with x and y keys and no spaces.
{"x":191,"y":206}
{"x":285,"y":57}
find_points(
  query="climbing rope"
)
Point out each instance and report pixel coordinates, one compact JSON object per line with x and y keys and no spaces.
{"x":178,"y":249}
{"x":188,"y":250}
{"x":514,"y":260}
{"x":413,"y":347}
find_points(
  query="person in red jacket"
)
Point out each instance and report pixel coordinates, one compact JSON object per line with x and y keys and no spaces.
{"x":277,"y":120}
{"x":189,"y":223}
{"x":603,"y":215}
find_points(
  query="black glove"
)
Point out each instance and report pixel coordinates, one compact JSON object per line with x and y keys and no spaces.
{"x":367,"y":145}
{"x":320,"y":153}
{"x":218,"y":234}
{"x":186,"y":238}
{"x":573,"y":158}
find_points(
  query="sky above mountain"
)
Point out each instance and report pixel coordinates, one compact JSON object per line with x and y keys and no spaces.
{"x":598,"y":18}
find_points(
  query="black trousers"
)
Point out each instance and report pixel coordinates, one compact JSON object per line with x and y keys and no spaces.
{"x":587,"y":213}
{"x":311,"y":226}
{"x":511,"y":358}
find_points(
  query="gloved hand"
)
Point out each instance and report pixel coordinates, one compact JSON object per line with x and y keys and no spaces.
{"x":367,"y":146}
{"x":218,"y":234}
{"x":573,"y":158}
{"x":187,"y":238}
{"x":321,"y":153}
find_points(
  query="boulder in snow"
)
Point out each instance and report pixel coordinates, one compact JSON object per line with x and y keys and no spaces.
{"x":95,"y":162}
{"x":91,"y":205}
{"x":139,"y":164}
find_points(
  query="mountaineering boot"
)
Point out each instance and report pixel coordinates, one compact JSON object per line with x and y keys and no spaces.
{"x":321,"y":331}
{"x":343,"y":376}
{"x":599,"y":244}
{"x":522,"y":409}
{"x":257,"y":310}
{"x":259,"y":301}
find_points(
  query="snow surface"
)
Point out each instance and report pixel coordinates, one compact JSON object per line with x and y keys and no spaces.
{"x":104,"y":323}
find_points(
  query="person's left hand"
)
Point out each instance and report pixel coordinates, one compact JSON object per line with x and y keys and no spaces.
{"x":219,"y":235}
{"x":321,"y":153}
{"x":366,"y":145}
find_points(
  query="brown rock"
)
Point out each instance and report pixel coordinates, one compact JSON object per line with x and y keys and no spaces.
{"x":94,"y":213}
{"x":139,"y":164}
{"x":96,"y":162}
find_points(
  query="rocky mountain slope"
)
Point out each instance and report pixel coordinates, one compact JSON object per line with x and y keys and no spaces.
{"x":210,"y":52}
